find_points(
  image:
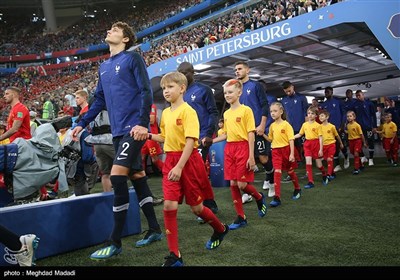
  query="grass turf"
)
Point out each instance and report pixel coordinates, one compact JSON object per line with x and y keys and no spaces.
{"x":353,"y":221}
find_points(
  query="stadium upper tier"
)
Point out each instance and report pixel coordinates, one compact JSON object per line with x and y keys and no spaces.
{"x":309,"y":60}
{"x":220,"y":27}
{"x":87,"y":35}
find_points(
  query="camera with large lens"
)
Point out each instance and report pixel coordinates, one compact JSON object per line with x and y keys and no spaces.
{"x":69,"y":153}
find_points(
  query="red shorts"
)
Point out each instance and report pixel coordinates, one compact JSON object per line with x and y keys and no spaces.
{"x":311,"y":148}
{"x":280,"y":159}
{"x":236,"y":155}
{"x":355,"y":145}
{"x":329,"y":150}
{"x":192,"y":178}
{"x":151,"y":148}
{"x":387,"y":146}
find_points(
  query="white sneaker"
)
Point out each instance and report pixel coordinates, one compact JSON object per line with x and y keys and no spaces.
{"x":271,"y":191}
{"x":266,"y":185}
{"x":364,"y":160}
{"x":26,"y":255}
{"x":370,"y":162}
{"x":246,"y":198}
{"x":346,"y":163}
{"x":337,"y":168}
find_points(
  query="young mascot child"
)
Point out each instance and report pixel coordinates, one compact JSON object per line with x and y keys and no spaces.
{"x":329,"y":133}
{"x":356,"y":140}
{"x":313,"y":144}
{"x":390,"y":142}
{"x":184,"y":172}
{"x":239,"y":127}
{"x":281,"y":136}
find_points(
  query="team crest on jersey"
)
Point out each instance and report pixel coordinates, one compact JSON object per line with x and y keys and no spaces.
{"x":19,"y":115}
{"x":117,"y":67}
{"x":329,"y":131}
{"x":283,"y":131}
{"x":238,"y":119}
{"x":179,"y":122}
{"x":193,"y":97}
{"x":248,"y":91}
{"x":334,"y":105}
{"x":295,"y":101}
{"x":313,"y":129}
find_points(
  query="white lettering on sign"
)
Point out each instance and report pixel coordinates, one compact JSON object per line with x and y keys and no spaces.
{"x":258,"y":37}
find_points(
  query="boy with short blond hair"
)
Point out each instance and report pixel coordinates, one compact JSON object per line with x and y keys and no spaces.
{"x":239,"y":128}
{"x":184,"y":172}
{"x":329,"y":136}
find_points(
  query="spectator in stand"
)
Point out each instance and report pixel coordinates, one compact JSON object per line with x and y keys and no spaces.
{"x":71,"y":100}
{"x":48,"y":109}
{"x":68,"y":109}
{"x":18,"y":122}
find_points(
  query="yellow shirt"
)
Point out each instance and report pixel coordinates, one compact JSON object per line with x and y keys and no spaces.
{"x":354,"y":131}
{"x":329,"y":133}
{"x":61,"y":136}
{"x":220,"y":132}
{"x":178,"y":125}
{"x":280,"y":134}
{"x":5,"y":141}
{"x":238,"y":123}
{"x":389,"y":130}
{"x":311,"y":130}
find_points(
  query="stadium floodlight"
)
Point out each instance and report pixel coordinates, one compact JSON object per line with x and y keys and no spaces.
{"x":201,"y":66}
